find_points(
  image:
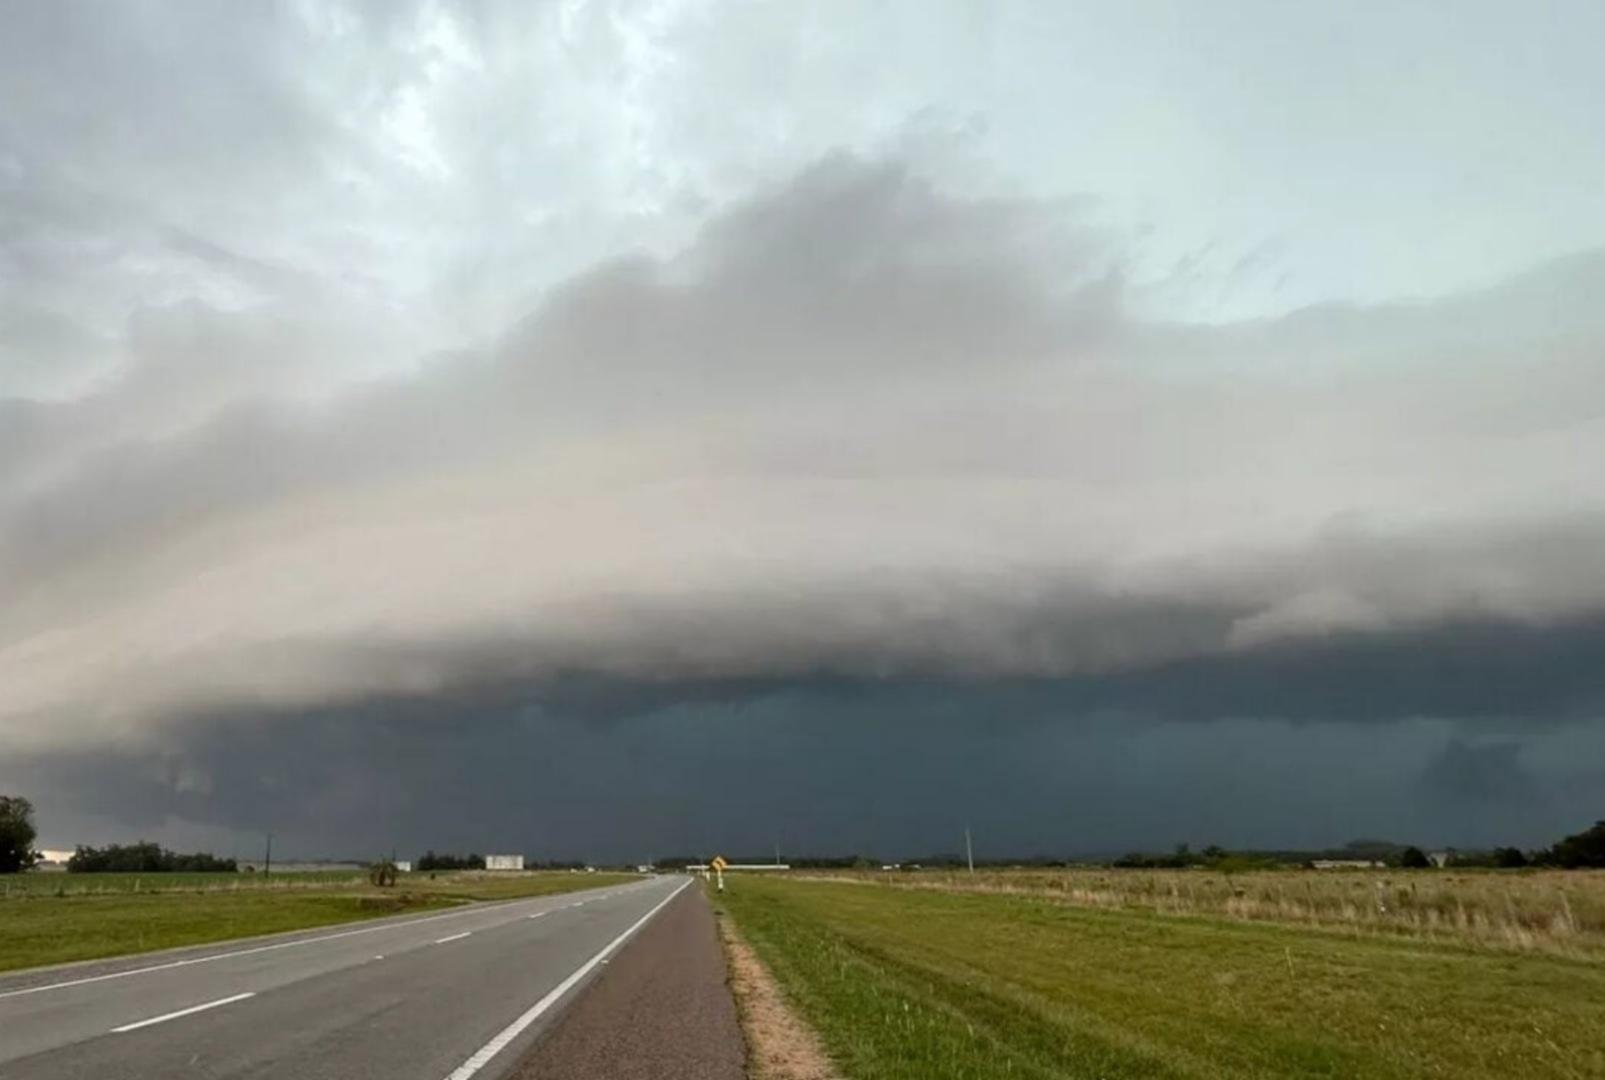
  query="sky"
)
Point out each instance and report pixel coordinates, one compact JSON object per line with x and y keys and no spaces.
{"x":613,"y":430}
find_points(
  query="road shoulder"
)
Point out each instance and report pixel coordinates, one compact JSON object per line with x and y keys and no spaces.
{"x":661,"y":1010}
{"x":780,"y":1046}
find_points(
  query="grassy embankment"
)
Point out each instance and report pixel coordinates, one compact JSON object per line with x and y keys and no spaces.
{"x":56,"y":918}
{"x":932,"y":983}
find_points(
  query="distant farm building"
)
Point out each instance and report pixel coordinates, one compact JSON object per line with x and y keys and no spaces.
{"x":504,"y":862}
{"x":404,"y":866}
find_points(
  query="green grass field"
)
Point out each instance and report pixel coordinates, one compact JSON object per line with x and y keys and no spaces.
{"x":114,"y":914}
{"x":56,"y":883}
{"x":924,"y":983}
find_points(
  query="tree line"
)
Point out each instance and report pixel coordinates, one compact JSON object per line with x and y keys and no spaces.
{"x":1582,"y":850}
{"x":1585,"y":849}
{"x":145,"y":858}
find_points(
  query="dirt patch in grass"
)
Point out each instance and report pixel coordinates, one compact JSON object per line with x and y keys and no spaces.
{"x":779,"y":1045}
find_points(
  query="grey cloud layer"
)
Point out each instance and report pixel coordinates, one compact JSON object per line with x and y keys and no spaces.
{"x":858,"y":426}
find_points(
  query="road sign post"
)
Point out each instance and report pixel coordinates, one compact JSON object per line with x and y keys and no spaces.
{"x":718,"y":865}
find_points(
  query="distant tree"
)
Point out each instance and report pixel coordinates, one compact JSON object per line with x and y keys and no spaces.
{"x":429,"y":860}
{"x":140,"y":858}
{"x":145,"y":858}
{"x":1413,"y":858}
{"x":1584,"y":849}
{"x":1214,"y":853}
{"x":16,"y":835}
{"x":1509,"y":858}
{"x":382,"y":873}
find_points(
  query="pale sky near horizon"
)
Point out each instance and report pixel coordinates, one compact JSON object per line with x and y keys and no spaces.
{"x":464,"y":379}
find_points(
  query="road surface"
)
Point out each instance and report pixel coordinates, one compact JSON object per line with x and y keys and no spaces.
{"x":447,"y":996}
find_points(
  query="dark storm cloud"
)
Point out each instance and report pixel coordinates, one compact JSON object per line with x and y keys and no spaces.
{"x":353,"y":422}
{"x":1462,"y":736}
{"x":892,"y":768}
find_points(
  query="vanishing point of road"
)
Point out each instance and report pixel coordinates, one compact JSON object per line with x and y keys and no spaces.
{"x":619,"y":982}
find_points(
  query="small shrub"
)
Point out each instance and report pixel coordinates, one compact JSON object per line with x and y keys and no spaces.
{"x":1413,"y":858}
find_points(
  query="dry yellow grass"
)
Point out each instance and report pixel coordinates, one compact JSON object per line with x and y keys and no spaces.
{"x":1547,"y":910}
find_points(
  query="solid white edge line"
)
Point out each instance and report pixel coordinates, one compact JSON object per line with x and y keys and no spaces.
{"x":471,"y":908}
{"x":483,"y":1055}
{"x":454,"y":937}
{"x":182,"y":1012}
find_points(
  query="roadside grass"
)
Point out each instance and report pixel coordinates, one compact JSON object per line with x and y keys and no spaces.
{"x":39,"y":927}
{"x":48,"y":930}
{"x":904,"y":984}
{"x":57,"y":883}
{"x":1545,"y":910}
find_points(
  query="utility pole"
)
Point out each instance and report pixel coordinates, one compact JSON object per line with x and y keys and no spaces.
{"x":969,"y":852}
{"x":267,"y":863}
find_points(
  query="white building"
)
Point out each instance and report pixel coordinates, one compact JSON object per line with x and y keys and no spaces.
{"x":404,"y":866}
{"x":504,"y":862}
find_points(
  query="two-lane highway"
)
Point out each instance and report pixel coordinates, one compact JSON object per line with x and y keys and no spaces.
{"x":455,"y":994}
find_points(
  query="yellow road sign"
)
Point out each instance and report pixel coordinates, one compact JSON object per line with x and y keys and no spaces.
{"x":718,"y":863}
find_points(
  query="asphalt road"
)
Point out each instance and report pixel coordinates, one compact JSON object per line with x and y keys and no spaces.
{"x":458,"y":994}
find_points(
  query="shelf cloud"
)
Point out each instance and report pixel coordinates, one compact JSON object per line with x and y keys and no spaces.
{"x":856,"y":427}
